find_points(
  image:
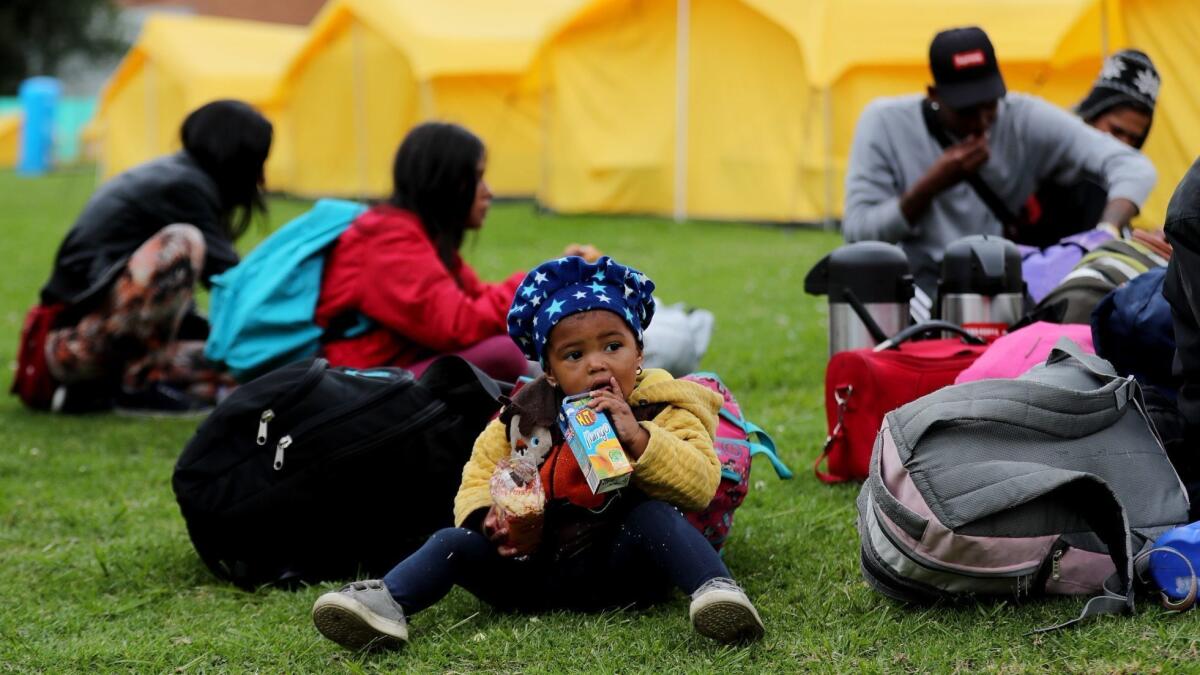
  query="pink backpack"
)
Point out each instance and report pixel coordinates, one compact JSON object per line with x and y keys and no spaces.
{"x":737,"y":442}
{"x":1013,"y":354}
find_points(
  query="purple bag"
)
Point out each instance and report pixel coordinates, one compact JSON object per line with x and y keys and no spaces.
{"x":1044,"y":268}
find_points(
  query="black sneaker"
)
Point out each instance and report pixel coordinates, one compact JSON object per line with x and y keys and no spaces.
{"x":160,"y":400}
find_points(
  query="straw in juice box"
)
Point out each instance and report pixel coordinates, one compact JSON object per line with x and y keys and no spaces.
{"x":594,"y":444}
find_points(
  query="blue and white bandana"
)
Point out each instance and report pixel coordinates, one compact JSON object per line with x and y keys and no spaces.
{"x":559,"y":288}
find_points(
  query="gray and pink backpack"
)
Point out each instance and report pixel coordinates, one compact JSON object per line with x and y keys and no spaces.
{"x":1048,"y":484}
{"x":738,"y":441}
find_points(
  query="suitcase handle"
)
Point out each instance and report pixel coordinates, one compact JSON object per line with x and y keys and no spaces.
{"x":927,"y":327}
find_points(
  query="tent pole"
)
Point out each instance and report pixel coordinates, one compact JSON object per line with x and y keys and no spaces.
{"x":428,"y":105}
{"x":682,"y":20}
{"x":543,"y":190}
{"x":1104,"y":28}
{"x":360,"y":111}
{"x":153,"y":133}
{"x":827,"y":116}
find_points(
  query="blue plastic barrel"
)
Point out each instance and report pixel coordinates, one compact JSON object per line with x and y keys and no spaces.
{"x":39,"y":98}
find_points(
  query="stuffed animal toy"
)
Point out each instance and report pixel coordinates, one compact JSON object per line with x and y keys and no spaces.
{"x":530,"y":418}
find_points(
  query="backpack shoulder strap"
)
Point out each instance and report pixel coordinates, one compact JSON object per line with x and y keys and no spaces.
{"x":1066,"y":348}
{"x":757,"y":439}
{"x":762,"y":444}
{"x":1107,"y":518}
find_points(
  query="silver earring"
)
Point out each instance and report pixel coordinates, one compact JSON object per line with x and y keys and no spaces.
{"x":639,"y":370}
{"x":934,"y":104}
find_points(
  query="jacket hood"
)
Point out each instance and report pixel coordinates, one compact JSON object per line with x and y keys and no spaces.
{"x":1183,"y":212}
{"x":655,"y":385}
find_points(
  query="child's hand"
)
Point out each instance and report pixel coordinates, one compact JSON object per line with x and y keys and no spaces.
{"x":633,"y":437}
{"x":495,"y":528}
{"x":586,"y":251}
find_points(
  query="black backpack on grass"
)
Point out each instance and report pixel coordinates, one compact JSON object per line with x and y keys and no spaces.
{"x":311,"y":472}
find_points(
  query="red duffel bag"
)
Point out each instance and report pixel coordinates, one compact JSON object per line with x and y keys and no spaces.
{"x":863,"y":385}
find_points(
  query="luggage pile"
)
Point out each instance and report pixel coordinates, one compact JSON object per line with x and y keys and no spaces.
{"x":1001,"y":456}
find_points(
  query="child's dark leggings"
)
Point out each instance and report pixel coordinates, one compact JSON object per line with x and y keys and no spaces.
{"x":653,"y":549}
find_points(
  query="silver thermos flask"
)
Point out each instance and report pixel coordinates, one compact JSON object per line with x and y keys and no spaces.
{"x":981,"y":288}
{"x":869,"y":285}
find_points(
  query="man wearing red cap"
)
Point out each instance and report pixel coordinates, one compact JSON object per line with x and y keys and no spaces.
{"x":927,"y":170}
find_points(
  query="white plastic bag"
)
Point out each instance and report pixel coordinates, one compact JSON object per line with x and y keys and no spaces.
{"x":677,"y":338}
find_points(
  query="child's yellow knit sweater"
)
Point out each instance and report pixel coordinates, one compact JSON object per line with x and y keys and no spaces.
{"x":679,"y":465}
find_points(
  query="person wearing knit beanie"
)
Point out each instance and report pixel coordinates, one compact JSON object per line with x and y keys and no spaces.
{"x":1121,"y":104}
{"x":1122,"y":100}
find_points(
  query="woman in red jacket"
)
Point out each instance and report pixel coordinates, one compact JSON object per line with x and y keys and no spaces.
{"x":398,"y":265}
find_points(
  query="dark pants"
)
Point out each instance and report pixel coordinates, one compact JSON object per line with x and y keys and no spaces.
{"x":132,"y":338}
{"x":498,"y":356}
{"x":653,"y":550}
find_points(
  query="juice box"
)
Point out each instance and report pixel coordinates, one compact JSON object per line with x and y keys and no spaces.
{"x":594,"y":444}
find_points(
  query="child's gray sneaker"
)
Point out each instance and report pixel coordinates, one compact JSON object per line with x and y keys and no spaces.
{"x":720,"y":610}
{"x":362,"y":615}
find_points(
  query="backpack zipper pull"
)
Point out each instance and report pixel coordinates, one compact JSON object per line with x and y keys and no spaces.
{"x":267,"y":416}
{"x":1056,"y":565}
{"x":284,"y":443}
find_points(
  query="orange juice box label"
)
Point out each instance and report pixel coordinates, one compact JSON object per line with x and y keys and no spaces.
{"x":594,"y":444}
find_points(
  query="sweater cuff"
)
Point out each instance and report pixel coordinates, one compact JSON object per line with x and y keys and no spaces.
{"x":475,"y":520}
{"x":883,"y":221}
{"x":1129,"y":190}
{"x":893,"y":226}
{"x":1135,"y":184}
{"x":467,"y":505}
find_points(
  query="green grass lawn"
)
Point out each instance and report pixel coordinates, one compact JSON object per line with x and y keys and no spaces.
{"x":97,"y":573}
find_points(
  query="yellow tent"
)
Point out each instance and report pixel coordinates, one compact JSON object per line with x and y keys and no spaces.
{"x":623,"y":112}
{"x":1168,"y":31}
{"x":762,"y":124}
{"x":371,"y":69}
{"x":10,"y":140}
{"x":772,"y":89}
{"x":177,"y":64}
{"x":858,"y":50}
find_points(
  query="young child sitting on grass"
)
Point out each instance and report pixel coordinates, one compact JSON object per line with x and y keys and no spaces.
{"x":583,"y":321}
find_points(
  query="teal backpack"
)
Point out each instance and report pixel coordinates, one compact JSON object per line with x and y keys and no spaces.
{"x":261,"y":311}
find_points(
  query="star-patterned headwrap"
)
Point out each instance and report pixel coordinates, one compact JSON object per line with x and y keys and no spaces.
{"x":559,"y":288}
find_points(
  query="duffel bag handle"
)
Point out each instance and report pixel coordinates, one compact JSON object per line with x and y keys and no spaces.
{"x":928,"y":327}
